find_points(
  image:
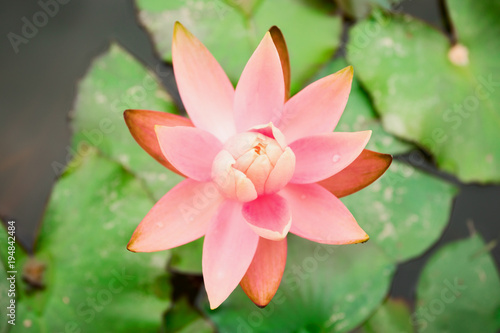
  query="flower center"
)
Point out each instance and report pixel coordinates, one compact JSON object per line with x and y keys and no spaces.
{"x":258,"y":149}
{"x":252,"y":164}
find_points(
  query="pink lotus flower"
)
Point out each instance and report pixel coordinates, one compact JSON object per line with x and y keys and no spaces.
{"x":258,"y":165}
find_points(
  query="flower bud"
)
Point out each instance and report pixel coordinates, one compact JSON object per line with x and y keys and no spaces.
{"x":253,"y":164}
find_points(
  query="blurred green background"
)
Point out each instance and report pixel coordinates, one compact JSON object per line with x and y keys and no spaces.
{"x":426,"y":80}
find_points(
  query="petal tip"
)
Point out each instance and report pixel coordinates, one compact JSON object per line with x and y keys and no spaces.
{"x":131,"y":243}
{"x":261,"y":303}
{"x":179,"y":28}
{"x":274,"y":29}
{"x":138,"y":245}
{"x":367,"y":134}
{"x":389,"y":158}
{"x":268,"y":40}
{"x":362,"y":240}
{"x":215,"y":303}
{"x":134,"y":244}
{"x":128,"y":115}
{"x":347,"y":73}
{"x":131,"y":115}
{"x":349,"y":70}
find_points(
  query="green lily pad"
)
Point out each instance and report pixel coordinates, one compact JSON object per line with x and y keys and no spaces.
{"x":232,"y":33}
{"x":182,"y":318}
{"x":324,"y":289}
{"x":392,"y":316}
{"x":442,"y":96}
{"x":114,"y":83}
{"x":459,"y":290}
{"x":405,"y":211}
{"x":91,"y":282}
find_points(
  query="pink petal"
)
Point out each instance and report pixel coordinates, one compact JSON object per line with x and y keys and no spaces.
{"x":205,"y":89}
{"x":260,"y":92}
{"x":319,"y":216}
{"x":141,"y":124}
{"x":269,"y":216}
{"x":317,"y":108}
{"x":233,"y":183}
{"x":365,"y":169}
{"x":263,"y":277}
{"x":279,"y":42}
{"x":179,"y":217}
{"x":271,"y":131}
{"x":321,"y":156}
{"x":228,"y":250}
{"x":189,"y":149}
{"x":282,"y":173}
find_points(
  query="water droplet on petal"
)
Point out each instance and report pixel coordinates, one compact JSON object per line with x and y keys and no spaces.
{"x":336,"y":158}
{"x":159,"y":224}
